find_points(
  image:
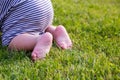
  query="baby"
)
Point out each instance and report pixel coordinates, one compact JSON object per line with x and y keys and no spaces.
{"x":27,"y":25}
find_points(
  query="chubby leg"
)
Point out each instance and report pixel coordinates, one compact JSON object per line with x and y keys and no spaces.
{"x":60,"y":36}
{"x":40,"y":44}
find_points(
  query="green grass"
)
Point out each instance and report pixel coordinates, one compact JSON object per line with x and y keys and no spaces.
{"x":94,"y":27}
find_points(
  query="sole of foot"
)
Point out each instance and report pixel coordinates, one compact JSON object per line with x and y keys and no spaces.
{"x":42,"y":47}
{"x":62,"y":38}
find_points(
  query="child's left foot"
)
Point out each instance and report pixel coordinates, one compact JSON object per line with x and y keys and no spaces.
{"x":62,"y":38}
{"x":42,"y":47}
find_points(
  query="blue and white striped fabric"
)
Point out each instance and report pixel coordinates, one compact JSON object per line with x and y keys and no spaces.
{"x":21,"y":16}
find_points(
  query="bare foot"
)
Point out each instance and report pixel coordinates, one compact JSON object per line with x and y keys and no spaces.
{"x":42,"y":47}
{"x":62,"y":38}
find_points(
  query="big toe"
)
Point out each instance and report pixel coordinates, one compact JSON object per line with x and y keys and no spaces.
{"x":63,"y":45}
{"x":69,"y":46}
{"x":34,"y":56}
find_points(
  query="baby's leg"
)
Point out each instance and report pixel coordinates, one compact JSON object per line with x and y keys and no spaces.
{"x":40,"y":44}
{"x":61,"y":36}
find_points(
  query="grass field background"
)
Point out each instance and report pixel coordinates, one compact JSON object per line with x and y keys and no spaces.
{"x":94,"y":27}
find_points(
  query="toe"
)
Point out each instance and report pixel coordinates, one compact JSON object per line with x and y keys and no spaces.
{"x":69,"y":46}
{"x":63,"y":45}
{"x":34,"y":57}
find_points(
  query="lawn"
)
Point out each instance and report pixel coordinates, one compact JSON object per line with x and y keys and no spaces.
{"x":94,"y":27}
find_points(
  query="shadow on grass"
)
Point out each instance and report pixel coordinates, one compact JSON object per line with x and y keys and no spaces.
{"x":9,"y":57}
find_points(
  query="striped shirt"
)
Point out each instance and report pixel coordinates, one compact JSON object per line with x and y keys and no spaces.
{"x":21,"y":16}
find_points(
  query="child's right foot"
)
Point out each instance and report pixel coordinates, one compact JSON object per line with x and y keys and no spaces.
{"x":42,"y":47}
{"x":62,"y":38}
